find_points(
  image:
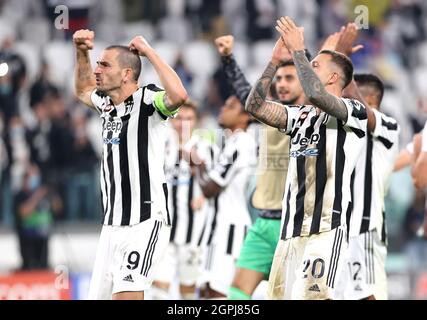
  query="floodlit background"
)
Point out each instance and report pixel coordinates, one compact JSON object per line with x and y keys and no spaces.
{"x":40,"y":119}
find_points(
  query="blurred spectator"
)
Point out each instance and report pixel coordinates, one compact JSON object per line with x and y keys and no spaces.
{"x":261,"y":19}
{"x":183,"y":72}
{"x":416,"y":245}
{"x":38,"y":136}
{"x":83,"y":198}
{"x":61,"y":140}
{"x":34,"y":205}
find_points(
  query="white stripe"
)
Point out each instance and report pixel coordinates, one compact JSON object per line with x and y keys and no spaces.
{"x":118,"y":209}
{"x":132,"y":139}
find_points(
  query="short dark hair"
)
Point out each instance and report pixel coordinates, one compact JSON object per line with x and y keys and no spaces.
{"x":371,"y":80}
{"x":128,"y":59}
{"x":343,"y":62}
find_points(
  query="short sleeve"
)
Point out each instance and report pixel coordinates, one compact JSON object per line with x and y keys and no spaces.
{"x":424,"y":139}
{"x":357,"y":118}
{"x":226,"y":168}
{"x":292,"y":116}
{"x":386,"y":129}
{"x":154,"y":96}
{"x":98,"y":100}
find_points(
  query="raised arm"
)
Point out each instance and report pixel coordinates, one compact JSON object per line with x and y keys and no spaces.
{"x":313,"y":88}
{"x":84,"y":78}
{"x":233,"y":73}
{"x":269,"y":112}
{"x":345,"y":44}
{"x":175,"y":94}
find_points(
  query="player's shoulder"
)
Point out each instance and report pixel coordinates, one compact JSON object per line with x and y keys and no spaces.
{"x":152,"y":87}
{"x":357,"y":108}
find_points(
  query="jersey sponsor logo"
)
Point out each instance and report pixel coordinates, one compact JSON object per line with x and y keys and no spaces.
{"x":304,"y":141}
{"x":114,"y":141}
{"x":114,"y":126}
{"x":314,"y":287}
{"x":108,"y":108}
{"x":128,"y":278}
{"x":312,"y":152}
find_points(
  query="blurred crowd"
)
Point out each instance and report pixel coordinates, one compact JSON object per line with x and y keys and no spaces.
{"x":50,"y":144}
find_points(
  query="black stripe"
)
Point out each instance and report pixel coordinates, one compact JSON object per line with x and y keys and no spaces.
{"x":174,"y":201}
{"x":387,"y":143}
{"x":350,"y":205}
{"x":331,"y":261}
{"x":166,"y":193}
{"x":105,"y":208}
{"x":153,"y":87}
{"x":144,"y":172}
{"x":389,"y":125}
{"x":110,"y":165}
{"x":202,"y":234}
{"x":384,"y":230}
{"x":367,"y":196}
{"x":245,"y":231}
{"x":339,"y":171}
{"x":146,"y":254}
{"x":359,"y":110}
{"x":299,"y":210}
{"x":321,"y":178}
{"x":153,"y":249}
{"x":359,"y":132}
{"x":213,"y":225}
{"x":211,"y":152}
{"x":124,"y":172}
{"x":337,"y":256}
{"x":287,"y":214}
{"x":190,"y":210}
{"x":228,"y":165}
{"x":230,"y":239}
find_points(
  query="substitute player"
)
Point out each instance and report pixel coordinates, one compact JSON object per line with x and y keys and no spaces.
{"x":188,"y":207}
{"x":226,"y":183}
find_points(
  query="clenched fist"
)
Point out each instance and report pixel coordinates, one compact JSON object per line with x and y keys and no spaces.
{"x":83,"y":39}
{"x":140,"y":46}
{"x":224,"y":45}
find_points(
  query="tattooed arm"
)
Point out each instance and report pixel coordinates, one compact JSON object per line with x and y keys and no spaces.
{"x":310,"y":82}
{"x":314,"y":89}
{"x":271,"y":113}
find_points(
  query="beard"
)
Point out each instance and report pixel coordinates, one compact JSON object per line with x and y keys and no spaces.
{"x":290,"y":101}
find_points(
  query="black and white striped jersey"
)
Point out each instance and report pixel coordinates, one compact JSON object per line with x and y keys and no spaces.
{"x":371,"y":176}
{"x":230,"y":218}
{"x":188,"y":224}
{"x":323,"y":155}
{"x":132,"y":178}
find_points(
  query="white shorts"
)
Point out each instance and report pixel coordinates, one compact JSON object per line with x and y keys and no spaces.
{"x":219,"y":259}
{"x":307,"y":268}
{"x":366,"y":267}
{"x":127,"y":257}
{"x":182,"y":261}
